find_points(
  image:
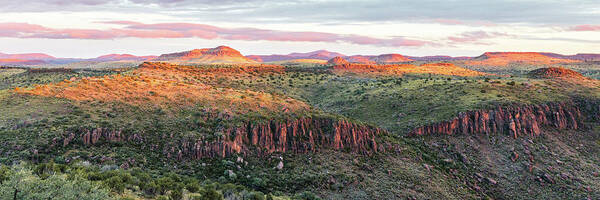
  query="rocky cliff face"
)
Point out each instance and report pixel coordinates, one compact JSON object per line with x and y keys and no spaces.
{"x":337,"y":61}
{"x":297,"y":136}
{"x":220,"y":54}
{"x":516,"y":121}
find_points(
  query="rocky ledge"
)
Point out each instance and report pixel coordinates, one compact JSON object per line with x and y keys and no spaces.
{"x":514,"y":120}
{"x":297,"y":136}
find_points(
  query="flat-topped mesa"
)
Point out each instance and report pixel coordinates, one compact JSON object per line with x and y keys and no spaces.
{"x":294,"y":136}
{"x":220,"y":54}
{"x":217,"y":51}
{"x":514,"y":120}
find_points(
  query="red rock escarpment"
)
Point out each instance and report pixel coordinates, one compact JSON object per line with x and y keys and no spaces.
{"x":337,"y":61}
{"x":297,"y":136}
{"x":516,"y":120}
{"x":93,"y":136}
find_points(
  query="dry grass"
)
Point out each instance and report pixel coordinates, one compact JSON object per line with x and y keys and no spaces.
{"x":505,"y":58}
{"x":401,"y":69}
{"x":170,"y":85}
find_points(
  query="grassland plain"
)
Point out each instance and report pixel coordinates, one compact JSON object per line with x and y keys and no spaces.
{"x":558,"y":164}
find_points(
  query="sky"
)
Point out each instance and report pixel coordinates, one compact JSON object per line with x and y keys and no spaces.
{"x":90,"y":28}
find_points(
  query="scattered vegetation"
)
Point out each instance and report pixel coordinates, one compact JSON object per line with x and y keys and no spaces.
{"x":169,"y":103}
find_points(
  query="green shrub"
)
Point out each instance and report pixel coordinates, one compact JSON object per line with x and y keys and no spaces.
{"x":23,"y":183}
{"x":306,"y":195}
{"x":176,"y":194}
{"x":254,"y":196}
{"x":210,"y":193}
{"x":116,"y":184}
{"x":193,"y":186}
{"x":161,"y":197}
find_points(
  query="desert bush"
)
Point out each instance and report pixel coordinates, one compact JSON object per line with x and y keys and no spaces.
{"x":254,"y":196}
{"x":210,"y":193}
{"x":306,"y":195}
{"x":22,"y":183}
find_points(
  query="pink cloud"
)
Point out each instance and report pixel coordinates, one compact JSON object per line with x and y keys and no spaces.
{"x":474,"y":37}
{"x":131,"y":29}
{"x":407,"y":42}
{"x":13,"y":29}
{"x":449,"y":21}
{"x":123,"y":33}
{"x":120,"y":22}
{"x":585,"y":27}
{"x":174,"y":26}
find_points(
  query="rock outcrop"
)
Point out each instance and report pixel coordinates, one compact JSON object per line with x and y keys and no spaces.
{"x":337,"y":61}
{"x":297,"y":136}
{"x":93,"y":136}
{"x":556,"y":72}
{"x":515,"y":120}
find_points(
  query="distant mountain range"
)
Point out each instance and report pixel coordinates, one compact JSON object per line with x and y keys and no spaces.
{"x":505,"y":58}
{"x":320,"y":54}
{"x":44,"y":59}
{"x":579,"y":56}
{"x":224,"y":54}
{"x":122,"y":57}
{"x":366,"y":59}
{"x":27,"y":56}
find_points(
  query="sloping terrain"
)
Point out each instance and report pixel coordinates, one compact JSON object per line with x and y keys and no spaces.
{"x":360,"y":59}
{"x":556,"y":72}
{"x":389,"y":58}
{"x":303,"y":131}
{"x":337,"y":61}
{"x":121,"y":57}
{"x":398,"y":70}
{"x":27,"y":56}
{"x":579,"y":56}
{"x":506,"y":58}
{"x":9,"y":61}
{"x":320,"y":55}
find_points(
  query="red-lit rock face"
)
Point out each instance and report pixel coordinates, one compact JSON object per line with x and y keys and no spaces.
{"x":516,"y":121}
{"x":221,"y":54}
{"x":297,"y":136}
{"x":337,"y":61}
{"x":554,"y":72}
